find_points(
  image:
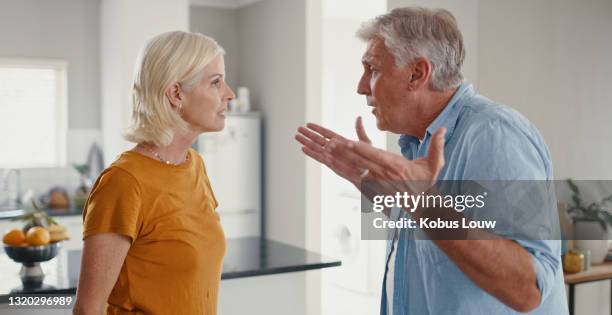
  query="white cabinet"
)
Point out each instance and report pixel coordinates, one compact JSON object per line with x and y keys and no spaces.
{"x":233,"y":163}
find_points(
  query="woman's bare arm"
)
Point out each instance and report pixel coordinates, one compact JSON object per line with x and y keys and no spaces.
{"x":103,"y":256}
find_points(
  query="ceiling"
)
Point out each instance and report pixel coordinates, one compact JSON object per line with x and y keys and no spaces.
{"x":224,"y":4}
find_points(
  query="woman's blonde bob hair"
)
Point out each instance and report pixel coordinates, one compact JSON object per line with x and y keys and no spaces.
{"x":167,"y":59}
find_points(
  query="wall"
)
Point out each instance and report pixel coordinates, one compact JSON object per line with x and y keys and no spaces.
{"x":223,"y":26}
{"x":272,"y":64}
{"x":554,"y":67}
{"x":125,"y":28}
{"x":64,"y":29}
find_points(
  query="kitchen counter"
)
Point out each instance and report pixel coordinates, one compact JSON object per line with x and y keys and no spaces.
{"x":10,"y":214}
{"x":245,"y":257}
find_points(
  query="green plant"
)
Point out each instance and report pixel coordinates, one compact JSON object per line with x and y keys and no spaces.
{"x":81,"y":168}
{"x":35,"y":217}
{"x":595,"y":211}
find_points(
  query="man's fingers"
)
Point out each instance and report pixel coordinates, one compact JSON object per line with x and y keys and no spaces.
{"x":435,"y":153}
{"x":319,"y":157}
{"x":339,"y":167}
{"x":343,"y":152}
{"x":324,"y":131}
{"x":312,"y":136}
{"x":309,"y":143}
{"x":361,"y":133}
{"x":375,"y":155}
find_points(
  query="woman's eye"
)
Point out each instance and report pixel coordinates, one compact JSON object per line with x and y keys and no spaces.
{"x":217,"y":83}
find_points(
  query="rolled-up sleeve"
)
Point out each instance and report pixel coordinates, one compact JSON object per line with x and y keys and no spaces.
{"x":515,"y":154}
{"x":546,"y":256}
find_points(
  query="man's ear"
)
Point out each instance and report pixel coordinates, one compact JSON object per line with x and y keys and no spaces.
{"x":174,"y":93}
{"x":420,"y":72}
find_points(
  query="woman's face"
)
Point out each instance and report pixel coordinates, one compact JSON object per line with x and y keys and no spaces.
{"x":205,"y":105}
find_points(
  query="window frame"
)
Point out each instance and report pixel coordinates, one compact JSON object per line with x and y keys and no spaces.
{"x":60,"y":66}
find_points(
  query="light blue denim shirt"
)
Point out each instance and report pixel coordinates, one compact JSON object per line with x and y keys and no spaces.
{"x":484,"y":141}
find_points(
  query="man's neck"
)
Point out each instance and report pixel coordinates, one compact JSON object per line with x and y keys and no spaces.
{"x":435,"y":102}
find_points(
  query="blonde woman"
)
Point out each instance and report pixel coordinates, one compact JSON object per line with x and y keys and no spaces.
{"x":153,"y":243}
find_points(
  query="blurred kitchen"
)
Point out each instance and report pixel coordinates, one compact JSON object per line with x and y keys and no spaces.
{"x":65,"y":76}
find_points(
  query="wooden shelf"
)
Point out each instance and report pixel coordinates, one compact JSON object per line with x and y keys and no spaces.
{"x":595,"y":273}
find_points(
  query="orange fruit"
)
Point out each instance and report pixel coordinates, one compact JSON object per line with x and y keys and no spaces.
{"x":14,"y":237}
{"x":38,"y":236}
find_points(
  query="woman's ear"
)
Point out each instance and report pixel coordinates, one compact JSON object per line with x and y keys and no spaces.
{"x":174,"y":93}
{"x":420,"y":72}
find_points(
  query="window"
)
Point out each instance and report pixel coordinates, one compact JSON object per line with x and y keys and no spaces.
{"x":33,"y":113}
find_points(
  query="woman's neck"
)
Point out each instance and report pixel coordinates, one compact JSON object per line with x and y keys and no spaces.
{"x":175,"y":152}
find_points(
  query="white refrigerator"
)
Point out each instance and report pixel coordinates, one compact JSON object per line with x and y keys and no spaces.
{"x":233,"y":162}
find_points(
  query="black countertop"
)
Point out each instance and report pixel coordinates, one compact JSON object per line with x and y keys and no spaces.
{"x":10,"y":214}
{"x":245,"y":257}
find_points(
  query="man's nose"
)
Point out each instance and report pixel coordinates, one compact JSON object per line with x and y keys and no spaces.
{"x":363,"y":88}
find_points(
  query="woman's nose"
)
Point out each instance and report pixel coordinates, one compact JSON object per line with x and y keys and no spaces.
{"x":231,"y":93}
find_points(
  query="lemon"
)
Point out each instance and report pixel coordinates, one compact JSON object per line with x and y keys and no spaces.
{"x":57,"y":232}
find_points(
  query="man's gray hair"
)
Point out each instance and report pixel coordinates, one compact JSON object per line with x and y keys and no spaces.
{"x":414,"y":32}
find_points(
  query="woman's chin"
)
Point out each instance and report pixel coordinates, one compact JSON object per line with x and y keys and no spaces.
{"x":214,"y":127}
{"x":219,"y":125}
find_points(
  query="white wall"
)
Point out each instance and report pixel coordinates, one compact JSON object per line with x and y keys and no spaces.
{"x":63,"y":29}
{"x":551,"y":61}
{"x":223,"y":26}
{"x":126,"y":26}
{"x":273,"y":65}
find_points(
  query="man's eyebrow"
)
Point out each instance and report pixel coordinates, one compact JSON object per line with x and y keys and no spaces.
{"x":369,"y":59}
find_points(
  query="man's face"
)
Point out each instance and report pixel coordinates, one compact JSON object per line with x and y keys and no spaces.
{"x":385,"y":87}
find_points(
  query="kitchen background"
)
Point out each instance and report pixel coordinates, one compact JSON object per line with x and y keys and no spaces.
{"x":549,"y":59}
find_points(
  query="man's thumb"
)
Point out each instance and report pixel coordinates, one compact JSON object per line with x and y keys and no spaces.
{"x":361,"y":133}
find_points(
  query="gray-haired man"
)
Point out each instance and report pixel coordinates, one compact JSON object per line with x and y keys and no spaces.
{"x":412,"y":79}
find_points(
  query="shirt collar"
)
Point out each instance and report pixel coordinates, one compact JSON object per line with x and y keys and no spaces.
{"x":447,"y":118}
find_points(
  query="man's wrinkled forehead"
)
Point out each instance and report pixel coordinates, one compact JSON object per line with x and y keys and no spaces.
{"x":375,"y":51}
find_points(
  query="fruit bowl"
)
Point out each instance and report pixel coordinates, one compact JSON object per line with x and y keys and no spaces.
{"x":30,"y":257}
{"x":32,"y":254}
